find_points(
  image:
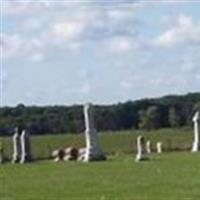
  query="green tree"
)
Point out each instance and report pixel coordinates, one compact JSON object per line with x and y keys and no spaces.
{"x":150,"y":119}
{"x":174,"y":118}
{"x":197,"y":106}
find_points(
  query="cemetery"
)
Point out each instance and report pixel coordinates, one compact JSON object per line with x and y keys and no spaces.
{"x":123,"y":164}
{"x":100,"y":100}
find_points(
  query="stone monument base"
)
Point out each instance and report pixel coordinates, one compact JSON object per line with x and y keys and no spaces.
{"x":195,"y":147}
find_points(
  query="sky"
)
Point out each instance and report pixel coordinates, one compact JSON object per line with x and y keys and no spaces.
{"x":105,"y":52}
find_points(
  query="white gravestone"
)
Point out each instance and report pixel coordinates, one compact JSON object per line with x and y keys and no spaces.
{"x":93,"y":150}
{"x":148,"y":146}
{"x":58,"y":155}
{"x":16,"y":147}
{"x":25,"y":147}
{"x":141,"y":149}
{"x":71,"y":153}
{"x":159,"y":146}
{"x":196,"y":120}
{"x":81,"y":153}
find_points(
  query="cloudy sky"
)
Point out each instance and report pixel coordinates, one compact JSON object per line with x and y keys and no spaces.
{"x":66,"y":52}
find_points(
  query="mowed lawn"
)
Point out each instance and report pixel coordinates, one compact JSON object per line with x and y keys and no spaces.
{"x":112,"y":142}
{"x":168,"y":176}
{"x":173,"y":175}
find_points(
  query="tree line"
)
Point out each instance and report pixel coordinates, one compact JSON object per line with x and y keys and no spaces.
{"x":167,"y":111}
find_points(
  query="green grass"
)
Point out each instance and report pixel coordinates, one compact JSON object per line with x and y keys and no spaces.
{"x":112,"y":142}
{"x":170,"y":176}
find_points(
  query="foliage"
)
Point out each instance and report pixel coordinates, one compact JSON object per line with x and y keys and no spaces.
{"x":174,"y":119}
{"x":145,"y":113}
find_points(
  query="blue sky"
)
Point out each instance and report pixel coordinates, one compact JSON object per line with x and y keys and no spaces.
{"x":67,"y":52}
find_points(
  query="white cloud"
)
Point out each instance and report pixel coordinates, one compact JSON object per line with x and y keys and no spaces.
{"x":37,"y":57}
{"x":122,"y":44}
{"x":12,"y":45}
{"x":14,"y":7}
{"x":184,"y":31}
{"x":69,"y":30}
{"x":17,"y":46}
{"x":31,"y":24}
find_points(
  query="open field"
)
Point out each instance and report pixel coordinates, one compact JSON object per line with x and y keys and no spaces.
{"x":171,"y":176}
{"x":112,"y":142}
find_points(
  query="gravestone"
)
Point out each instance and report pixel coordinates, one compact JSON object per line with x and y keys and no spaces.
{"x":196,"y":144}
{"x":25,"y":147}
{"x":141,"y":149}
{"x":81,"y":153}
{"x":159,"y":147}
{"x":71,"y":153}
{"x":93,"y":150}
{"x":16,"y":147}
{"x":58,"y":155}
{"x":148,"y":146}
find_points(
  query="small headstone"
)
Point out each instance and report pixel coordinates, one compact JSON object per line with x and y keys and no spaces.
{"x":81,"y":153}
{"x":148,"y":146}
{"x":93,"y":150}
{"x":141,"y":149}
{"x":196,"y":142}
{"x":16,"y":147}
{"x":58,"y":155}
{"x":159,"y":147}
{"x":25,"y":147}
{"x":71,"y":153}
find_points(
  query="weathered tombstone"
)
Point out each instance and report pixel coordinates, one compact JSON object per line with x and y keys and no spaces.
{"x":148,"y":146}
{"x":25,"y":147}
{"x":196,"y":144}
{"x":159,"y":147}
{"x":58,"y":155}
{"x":93,"y":150}
{"x":141,"y":150}
{"x":81,"y":153}
{"x":71,"y":153}
{"x":1,"y":153}
{"x":16,"y":147}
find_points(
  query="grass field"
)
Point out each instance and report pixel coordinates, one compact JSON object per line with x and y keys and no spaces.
{"x":171,"y":176}
{"x":174,"y":175}
{"x":112,"y":142}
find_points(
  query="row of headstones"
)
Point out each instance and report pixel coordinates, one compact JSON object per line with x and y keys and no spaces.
{"x":92,"y":151}
{"x":21,"y":148}
{"x":72,"y":153}
{"x":159,"y":147}
{"x":143,"y":149}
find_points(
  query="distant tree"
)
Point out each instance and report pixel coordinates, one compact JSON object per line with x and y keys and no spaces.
{"x":174,"y":118}
{"x":150,"y":119}
{"x":146,"y":113}
{"x":197,"y":106}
